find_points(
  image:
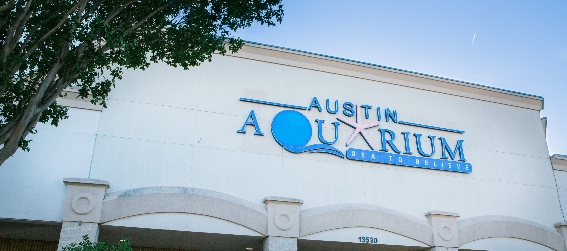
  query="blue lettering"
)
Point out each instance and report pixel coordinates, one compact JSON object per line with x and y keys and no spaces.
{"x":391,"y":115}
{"x":366,"y":107}
{"x":251,"y":120}
{"x":445,"y":148}
{"x":406,"y":143}
{"x":315,"y":103}
{"x":389,"y":142}
{"x":320,"y":131}
{"x":418,"y":143}
{"x":336,"y":107}
{"x":348,"y":109}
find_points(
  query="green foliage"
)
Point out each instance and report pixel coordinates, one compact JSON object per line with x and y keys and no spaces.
{"x":49,"y":45}
{"x":87,"y":245}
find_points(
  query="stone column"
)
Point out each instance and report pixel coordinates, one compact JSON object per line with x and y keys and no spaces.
{"x":445,"y":230}
{"x":443,"y":249}
{"x":562,"y":230}
{"x":82,"y":210}
{"x":283,"y":223}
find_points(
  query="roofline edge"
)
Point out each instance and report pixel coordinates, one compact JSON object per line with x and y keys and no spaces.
{"x":397,"y":70}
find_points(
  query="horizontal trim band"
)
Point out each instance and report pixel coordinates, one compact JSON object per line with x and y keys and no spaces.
{"x":430,"y":127}
{"x":273,"y":103}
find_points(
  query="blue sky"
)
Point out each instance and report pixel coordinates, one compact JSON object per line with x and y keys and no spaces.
{"x":519,"y":45}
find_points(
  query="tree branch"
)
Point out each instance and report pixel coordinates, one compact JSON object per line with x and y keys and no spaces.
{"x":94,"y":8}
{"x":80,"y":13}
{"x":7,"y":6}
{"x":28,"y":39}
{"x":53,"y":95}
{"x":11,"y":145}
{"x":22,"y":123}
{"x":32,"y":105}
{"x":50,"y":32}
{"x":6,"y":131}
{"x":10,"y":36}
{"x":61,"y":84}
{"x":146,"y":19}
{"x":19,"y":31}
{"x":10,"y":148}
{"x":31,"y":124}
{"x":117,"y":10}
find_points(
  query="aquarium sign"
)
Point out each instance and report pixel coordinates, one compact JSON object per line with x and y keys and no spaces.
{"x":292,"y":130}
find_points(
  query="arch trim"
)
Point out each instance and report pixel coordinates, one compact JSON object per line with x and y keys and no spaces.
{"x":150,"y":200}
{"x":494,"y":226}
{"x":325,"y":218}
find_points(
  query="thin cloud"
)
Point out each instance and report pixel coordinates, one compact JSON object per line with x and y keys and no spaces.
{"x":473,"y":37}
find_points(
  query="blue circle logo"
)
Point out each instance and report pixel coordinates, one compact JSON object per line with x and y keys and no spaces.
{"x":291,"y":129}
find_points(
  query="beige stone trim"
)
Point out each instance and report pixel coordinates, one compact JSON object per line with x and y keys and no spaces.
{"x":443,"y":249}
{"x":83,"y":199}
{"x":273,"y":243}
{"x":283,"y":216}
{"x":562,"y":230}
{"x":492,"y":226}
{"x":86,"y":182}
{"x":342,"y":67}
{"x":559,"y":162}
{"x":149,"y":200}
{"x":73,"y":232}
{"x":325,"y":218}
{"x":445,"y":230}
{"x":282,"y":199}
{"x":441,"y":213}
{"x":70,"y":99}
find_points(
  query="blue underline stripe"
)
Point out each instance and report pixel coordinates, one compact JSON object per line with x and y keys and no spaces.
{"x":273,"y":103}
{"x":430,"y":127}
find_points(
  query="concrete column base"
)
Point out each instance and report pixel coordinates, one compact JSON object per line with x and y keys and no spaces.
{"x":562,"y":230}
{"x":73,"y":232}
{"x":273,"y":243}
{"x":443,"y":249}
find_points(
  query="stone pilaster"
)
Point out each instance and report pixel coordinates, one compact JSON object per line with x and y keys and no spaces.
{"x":73,"y":232}
{"x":82,"y":210}
{"x":445,"y":230}
{"x":559,"y":162}
{"x":443,"y":249}
{"x":273,"y":243}
{"x":562,"y":230}
{"x":283,"y":223}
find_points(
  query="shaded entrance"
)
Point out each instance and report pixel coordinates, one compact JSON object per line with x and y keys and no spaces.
{"x":184,"y":240}
{"x":308,"y":245}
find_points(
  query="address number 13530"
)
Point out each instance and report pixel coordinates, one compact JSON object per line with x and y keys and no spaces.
{"x":366,"y":239}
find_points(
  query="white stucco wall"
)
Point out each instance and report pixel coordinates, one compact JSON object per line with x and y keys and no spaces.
{"x":31,"y":183}
{"x":561,"y":178}
{"x":169,"y":127}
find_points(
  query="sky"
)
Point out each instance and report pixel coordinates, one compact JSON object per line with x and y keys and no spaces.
{"x":515,"y":45}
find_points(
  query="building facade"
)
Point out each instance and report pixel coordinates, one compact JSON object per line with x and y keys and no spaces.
{"x":279,"y":149}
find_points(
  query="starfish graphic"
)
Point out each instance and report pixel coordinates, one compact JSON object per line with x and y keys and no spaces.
{"x":359,"y":128}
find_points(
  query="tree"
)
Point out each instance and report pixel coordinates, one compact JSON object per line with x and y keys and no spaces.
{"x":49,"y":45}
{"x":87,"y":245}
